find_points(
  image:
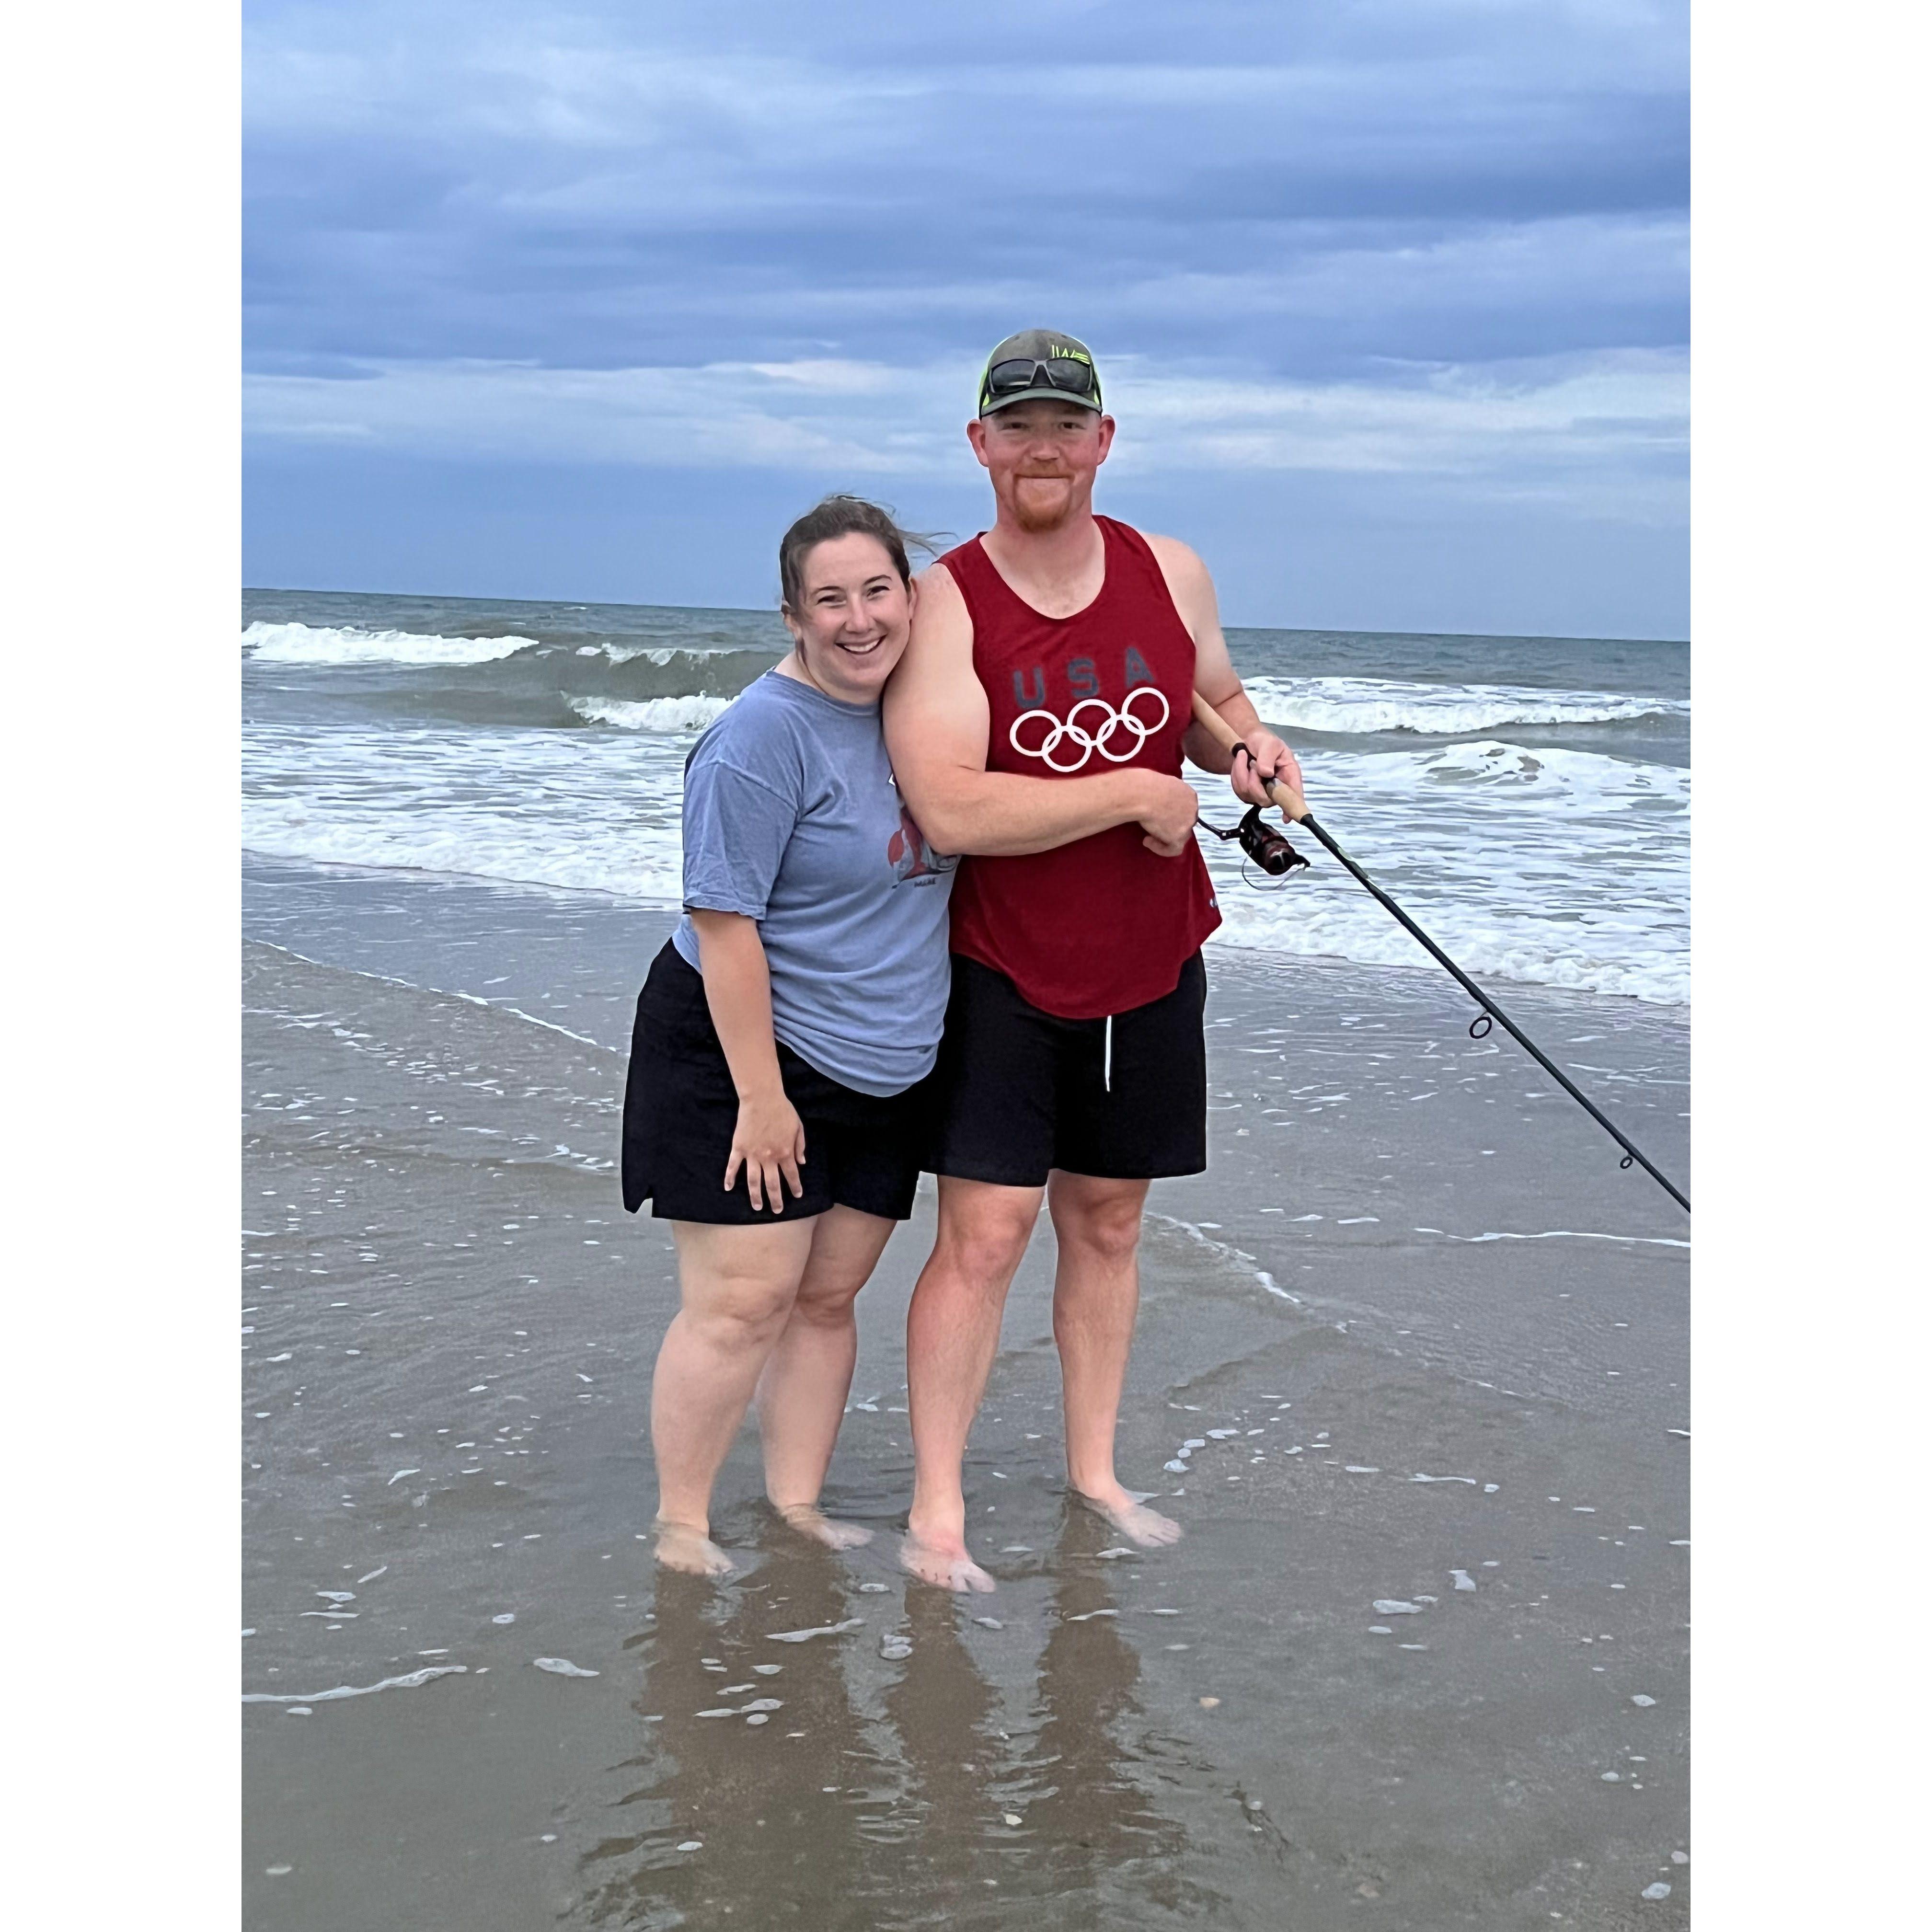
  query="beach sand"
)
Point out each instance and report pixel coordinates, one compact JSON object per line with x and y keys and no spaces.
{"x":1432,"y":1342}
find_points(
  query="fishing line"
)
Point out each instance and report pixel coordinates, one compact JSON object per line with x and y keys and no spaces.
{"x":1295,"y":808}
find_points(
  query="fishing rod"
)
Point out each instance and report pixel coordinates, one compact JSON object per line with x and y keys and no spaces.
{"x":1295,"y":808}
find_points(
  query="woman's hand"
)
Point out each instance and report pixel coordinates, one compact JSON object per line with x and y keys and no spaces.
{"x":768,"y":1141}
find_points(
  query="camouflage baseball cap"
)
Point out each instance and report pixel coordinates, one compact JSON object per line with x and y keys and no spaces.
{"x":1037,"y":363}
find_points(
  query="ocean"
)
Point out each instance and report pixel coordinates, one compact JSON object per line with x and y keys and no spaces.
{"x":1412,"y":1358}
{"x":1526,"y":799}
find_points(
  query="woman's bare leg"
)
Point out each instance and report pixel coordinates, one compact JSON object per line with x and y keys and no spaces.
{"x":738,"y":1285}
{"x":802,"y":1393}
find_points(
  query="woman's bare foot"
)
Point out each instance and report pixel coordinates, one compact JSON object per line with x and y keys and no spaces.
{"x":809,"y":1520}
{"x":947,"y":1565}
{"x":1147,"y":1528}
{"x":682,"y":1547}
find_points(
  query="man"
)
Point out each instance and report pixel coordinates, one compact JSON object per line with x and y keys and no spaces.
{"x":1037,"y":723}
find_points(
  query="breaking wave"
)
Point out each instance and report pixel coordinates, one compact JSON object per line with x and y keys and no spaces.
{"x":1359,"y":705}
{"x":650,"y":714}
{"x":322,"y":644}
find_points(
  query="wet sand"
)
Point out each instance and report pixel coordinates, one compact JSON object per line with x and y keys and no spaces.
{"x":1409,"y":1260}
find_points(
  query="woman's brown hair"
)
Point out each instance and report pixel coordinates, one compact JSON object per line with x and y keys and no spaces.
{"x":843,"y":516}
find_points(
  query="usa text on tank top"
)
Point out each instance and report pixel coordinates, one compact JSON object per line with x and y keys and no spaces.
{"x":1102,"y":925}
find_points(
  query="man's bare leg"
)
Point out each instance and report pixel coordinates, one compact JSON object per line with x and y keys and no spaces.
{"x":952,"y":1333}
{"x":1095,"y":1295}
{"x":809,"y":1374}
{"x":738,"y":1286}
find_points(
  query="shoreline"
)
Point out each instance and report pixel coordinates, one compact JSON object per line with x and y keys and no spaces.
{"x":1221,"y":943}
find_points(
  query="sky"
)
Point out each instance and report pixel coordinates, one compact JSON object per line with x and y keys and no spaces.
{"x":1391,"y":300}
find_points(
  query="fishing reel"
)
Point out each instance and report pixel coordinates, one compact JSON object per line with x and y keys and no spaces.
{"x":1267,"y":846}
{"x":1262,"y":843}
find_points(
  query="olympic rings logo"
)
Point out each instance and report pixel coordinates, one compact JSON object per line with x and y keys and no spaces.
{"x":1089,"y":741}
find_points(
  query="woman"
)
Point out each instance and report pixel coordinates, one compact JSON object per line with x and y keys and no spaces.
{"x":773,"y":1112}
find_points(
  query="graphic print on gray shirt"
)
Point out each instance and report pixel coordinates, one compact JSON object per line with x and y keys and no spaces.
{"x":791,"y":817}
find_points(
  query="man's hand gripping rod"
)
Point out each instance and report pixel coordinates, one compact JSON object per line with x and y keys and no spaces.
{"x":1294,"y":808}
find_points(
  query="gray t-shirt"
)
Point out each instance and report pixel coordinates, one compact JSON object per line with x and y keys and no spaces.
{"x":792,"y":818}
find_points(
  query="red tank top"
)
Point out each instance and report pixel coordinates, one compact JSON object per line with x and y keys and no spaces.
{"x":1102,"y":925}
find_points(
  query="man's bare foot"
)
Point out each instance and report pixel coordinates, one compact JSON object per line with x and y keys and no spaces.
{"x":680,"y":1546}
{"x":1147,"y":1528}
{"x":947,"y":1565}
{"x":809,"y":1520}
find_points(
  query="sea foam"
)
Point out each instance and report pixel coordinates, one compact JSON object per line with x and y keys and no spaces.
{"x":1553,"y":867}
{"x":1558,"y":867}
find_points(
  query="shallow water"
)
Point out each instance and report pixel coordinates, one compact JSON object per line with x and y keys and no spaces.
{"x":449,"y":1326}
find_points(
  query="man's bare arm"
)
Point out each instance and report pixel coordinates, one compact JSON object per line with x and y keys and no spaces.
{"x":936,"y":723}
{"x":1193,"y":590}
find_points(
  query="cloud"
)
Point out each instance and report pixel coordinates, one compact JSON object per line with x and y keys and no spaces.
{"x":615,"y":188}
{"x":1444,"y":241}
{"x":1573,"y":421}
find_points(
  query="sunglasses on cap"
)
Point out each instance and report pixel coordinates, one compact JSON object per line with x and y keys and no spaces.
{"x":1064,"y":372}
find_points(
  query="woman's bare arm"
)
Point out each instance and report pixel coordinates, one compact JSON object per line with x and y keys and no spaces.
{"x":769,"y":1140}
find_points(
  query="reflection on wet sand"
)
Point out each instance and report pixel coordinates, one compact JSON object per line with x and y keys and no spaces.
{"x":737,"y":1821}
{"x":945,"y":1718}
{"x":972,"y":1795}
{"x":1091,"y":1822}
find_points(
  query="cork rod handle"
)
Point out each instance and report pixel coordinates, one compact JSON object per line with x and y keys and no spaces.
{"x":1224,"y":734}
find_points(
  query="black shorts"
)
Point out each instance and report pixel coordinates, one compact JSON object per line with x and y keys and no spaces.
{"x":681,"y":1109}
{"x":1021,"y":1091}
